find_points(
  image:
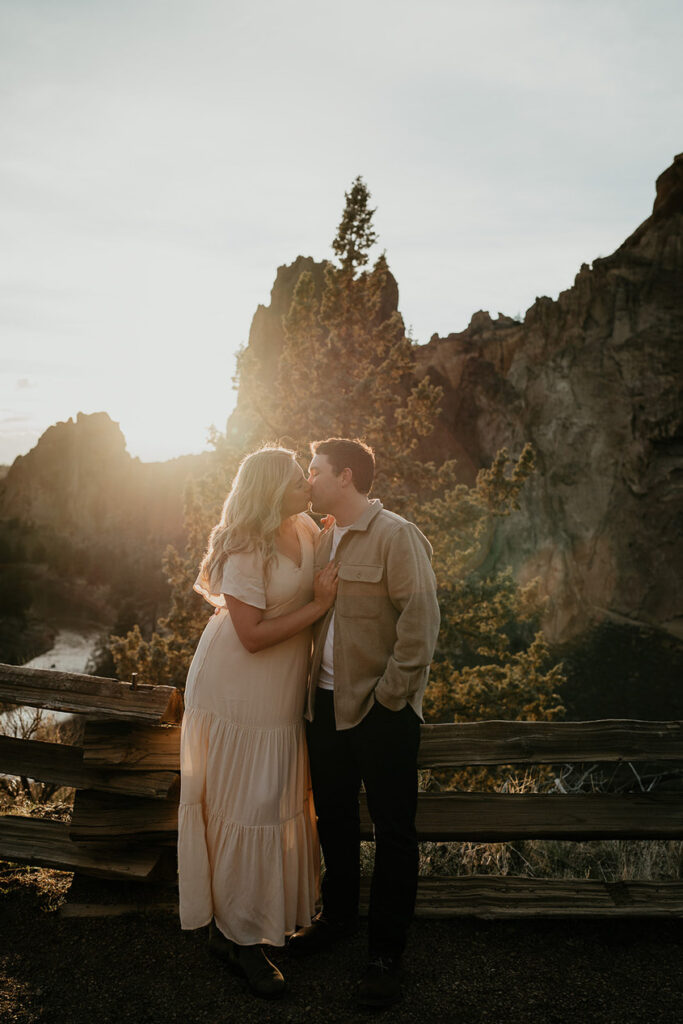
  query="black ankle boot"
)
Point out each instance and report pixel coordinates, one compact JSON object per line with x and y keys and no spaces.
{"x":381,"y":983}
{"x":249,"y":962}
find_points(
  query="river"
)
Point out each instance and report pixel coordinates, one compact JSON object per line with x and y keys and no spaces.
{"x":71,"y":651}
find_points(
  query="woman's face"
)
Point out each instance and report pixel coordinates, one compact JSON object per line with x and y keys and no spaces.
{"x":297,"y":497}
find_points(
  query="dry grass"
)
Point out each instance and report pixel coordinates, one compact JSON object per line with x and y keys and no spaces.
{"x":613,"y":860}
{"x":46,"y":886}
{"x":616,"y":860}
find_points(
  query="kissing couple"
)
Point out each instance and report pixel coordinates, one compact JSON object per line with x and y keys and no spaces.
{"x":307,"y":681}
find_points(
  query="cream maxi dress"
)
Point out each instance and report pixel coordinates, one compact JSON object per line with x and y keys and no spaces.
{"x":248,"y":852}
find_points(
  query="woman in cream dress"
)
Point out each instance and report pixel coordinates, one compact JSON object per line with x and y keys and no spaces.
{"x":248,"y":854}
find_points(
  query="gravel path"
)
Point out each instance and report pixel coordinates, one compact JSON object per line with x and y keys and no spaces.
{"x":143,"y":970}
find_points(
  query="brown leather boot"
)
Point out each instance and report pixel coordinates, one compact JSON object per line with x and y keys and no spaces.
{"x":249,"y":962}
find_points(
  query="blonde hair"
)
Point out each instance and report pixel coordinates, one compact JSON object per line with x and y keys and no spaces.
{"x":251,"y":512}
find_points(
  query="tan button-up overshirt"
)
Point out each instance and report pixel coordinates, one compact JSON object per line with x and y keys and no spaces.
{"x":386,"y":617}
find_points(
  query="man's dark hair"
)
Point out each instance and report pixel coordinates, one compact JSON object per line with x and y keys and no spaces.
{"x":345,"y":454}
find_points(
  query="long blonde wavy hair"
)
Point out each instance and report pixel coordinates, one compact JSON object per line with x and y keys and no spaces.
{"x":251,"y":513}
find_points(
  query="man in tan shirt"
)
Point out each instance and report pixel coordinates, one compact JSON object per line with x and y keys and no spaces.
{"x":370,"y":665}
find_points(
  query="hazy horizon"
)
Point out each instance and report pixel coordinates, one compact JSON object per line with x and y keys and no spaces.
{"x":161,"y":160}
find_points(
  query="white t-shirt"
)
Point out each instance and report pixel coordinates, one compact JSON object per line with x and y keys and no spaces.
{"x":326,"y":674}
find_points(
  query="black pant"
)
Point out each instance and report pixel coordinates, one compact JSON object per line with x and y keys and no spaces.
{"x":381,"y":751}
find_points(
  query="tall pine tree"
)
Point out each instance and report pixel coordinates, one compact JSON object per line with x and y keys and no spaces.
{"x":347,"y":365}
{"x":347,"y":368}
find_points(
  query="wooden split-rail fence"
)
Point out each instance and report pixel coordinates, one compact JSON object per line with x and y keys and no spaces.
{"x":126,"y":777}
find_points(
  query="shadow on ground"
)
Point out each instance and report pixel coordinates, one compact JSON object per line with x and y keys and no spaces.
{"x":142,"y":969}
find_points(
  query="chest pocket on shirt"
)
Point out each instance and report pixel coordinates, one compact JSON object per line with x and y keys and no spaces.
{"x":361,"y":590}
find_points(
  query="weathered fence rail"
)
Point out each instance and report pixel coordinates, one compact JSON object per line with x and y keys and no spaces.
{"x":89,"y":695}
{"x":133,"y":734}
{"x":126,"y":776}
{"x":492,"y":743}
{"x":64,"y":765}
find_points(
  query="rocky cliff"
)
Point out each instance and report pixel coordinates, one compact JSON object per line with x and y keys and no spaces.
{"x":80,"y":481}
{"x":594,"y":381}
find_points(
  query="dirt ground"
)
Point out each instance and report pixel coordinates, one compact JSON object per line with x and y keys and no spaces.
{"x":142,"y":969}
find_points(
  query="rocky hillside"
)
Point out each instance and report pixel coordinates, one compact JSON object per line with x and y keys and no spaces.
{"x":80,"y":481}
{"x":594,"y":380}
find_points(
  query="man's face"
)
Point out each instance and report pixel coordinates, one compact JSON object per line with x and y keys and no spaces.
{"x":325,"y":486}
{"x":297,"y":497}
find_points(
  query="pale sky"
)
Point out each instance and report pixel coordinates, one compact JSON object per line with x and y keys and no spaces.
{"x":160,"y":159}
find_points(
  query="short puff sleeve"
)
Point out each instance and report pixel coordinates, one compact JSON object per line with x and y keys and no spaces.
{"x":242,"y":578}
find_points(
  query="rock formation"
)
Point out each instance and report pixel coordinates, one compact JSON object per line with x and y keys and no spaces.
{"x":80,"y":481}
{"x":594,"y":381}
